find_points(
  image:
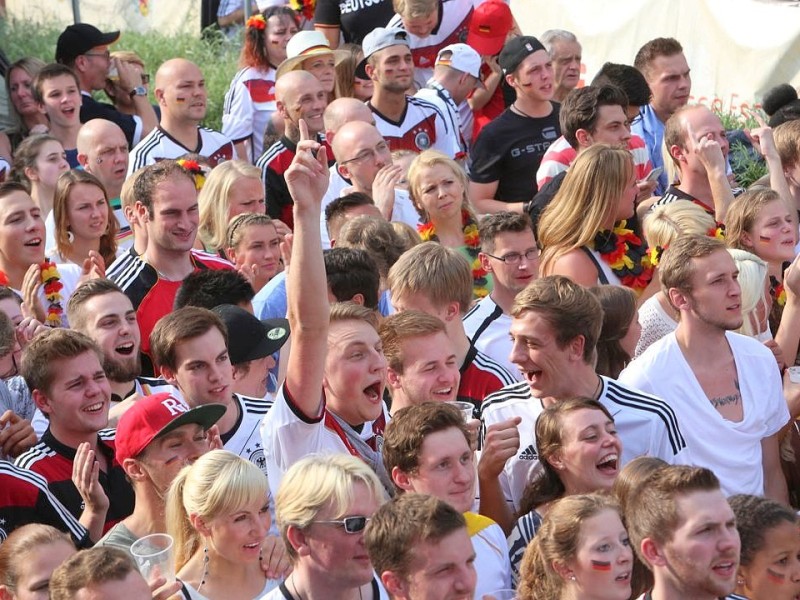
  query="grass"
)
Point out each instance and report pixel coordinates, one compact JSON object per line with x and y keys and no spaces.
{"x":212,"y":53}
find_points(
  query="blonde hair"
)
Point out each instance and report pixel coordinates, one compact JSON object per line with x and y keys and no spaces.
{"x":587,"y":200}
{"x":413,"y":9}
{"x":427,"y":160}
{"x":752,"y":277}
{"x":128,"y":56}
{"x":214,"y":200}
{"x":557,"y":541}
{"x":317,"y":482}
{"x":409,"y":235}
{"x":743,"y":213}
{"x":665,"y":223}
{"x":218,"y":483}
{"x":787,"y":142}
{"x":441,"y":274}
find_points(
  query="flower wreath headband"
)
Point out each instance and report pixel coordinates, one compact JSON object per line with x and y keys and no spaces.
{"x":195,"y":171}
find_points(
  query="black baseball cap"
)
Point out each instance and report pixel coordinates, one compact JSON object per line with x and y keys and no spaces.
{"x":79,"y":38}
{"x":516,"y":50}
{"x":249,"y":337}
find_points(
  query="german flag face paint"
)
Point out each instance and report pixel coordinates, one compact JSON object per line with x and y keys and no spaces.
{"x":601,"y":565}
{"x":776,"y":577}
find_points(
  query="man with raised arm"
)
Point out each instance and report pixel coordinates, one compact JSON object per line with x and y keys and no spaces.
{"x":331,"y":400}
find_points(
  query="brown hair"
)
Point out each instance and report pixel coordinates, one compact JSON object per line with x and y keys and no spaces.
{"x":88,"y":568}
{"x":239,"y":224}
{"x":570,"y":309}
{"x":547,"y":486}
{"x":346,"y":62}
{"x":377,"y":237}
{"x":652,"y":50}
{"x":178,"y":326}
{"x":67,"y":181}
{"x":82,"y":294}
{"x":350,"y":311}
{"x":652,"y":509}
{"x":150,"y":176}
{"x":399,"y":327}
{"x":676,"y":267}
{"x":25,"y":157}
{"x":41,"y":356}
{"x":406,"y":432}
{"x":557,"y":541}
{"x":397,"y":529}
{"x":755,"y":516}
{"x":787,"y":142}
{"x":48,"y":72}
{"x":490,"y":226}
{"x":619,"y":313}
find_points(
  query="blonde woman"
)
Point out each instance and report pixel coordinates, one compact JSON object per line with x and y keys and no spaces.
{"x":438,"y":187}
{"x":218,"y":515}
{"x":232,"y":188}
{"x":581,"y":231}
{"x":322,"y":507}
{"x":253,"y":245}
{"x":662,"y":226}
{"x":84,"y":220}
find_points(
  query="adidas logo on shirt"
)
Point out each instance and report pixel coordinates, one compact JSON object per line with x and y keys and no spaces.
{"x":529,"y":453}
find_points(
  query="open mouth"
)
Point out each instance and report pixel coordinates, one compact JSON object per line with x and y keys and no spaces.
{"x":623,"y":577}
{"x":125,"y":349}
{"x":443,"y":393}
{"x":94,"y":408}
{"x":726,"y":569}
{"x":34,"y":242}
{"x":608,"y":464}
{"x":373,"y":392}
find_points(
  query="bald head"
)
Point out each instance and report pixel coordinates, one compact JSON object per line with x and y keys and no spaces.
{"x":352,"y":135}
{"x":345,"y":110}
{"x":173,"y":69}
{"x":294,"y":83}
{"x":181,"y":94}
{"x":103,"y":152}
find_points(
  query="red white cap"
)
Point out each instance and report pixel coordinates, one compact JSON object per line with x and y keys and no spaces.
{"x":489,"y":27}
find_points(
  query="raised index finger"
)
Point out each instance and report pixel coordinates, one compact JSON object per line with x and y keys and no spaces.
{"x":304,"y":130}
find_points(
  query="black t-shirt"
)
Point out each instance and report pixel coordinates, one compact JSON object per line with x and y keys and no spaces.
{"x":355,"y":18}
{"x":509,"y":150}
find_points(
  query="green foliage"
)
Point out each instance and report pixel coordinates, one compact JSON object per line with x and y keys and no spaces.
{"x":216,"y":56}
{"x":746,"y":163}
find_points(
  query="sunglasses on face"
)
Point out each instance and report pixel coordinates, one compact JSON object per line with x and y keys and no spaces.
{"x":350,"y":524}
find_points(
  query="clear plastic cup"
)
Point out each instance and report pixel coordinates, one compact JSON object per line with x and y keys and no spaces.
{"x":154,"y":557}
{"x":467,"y":409}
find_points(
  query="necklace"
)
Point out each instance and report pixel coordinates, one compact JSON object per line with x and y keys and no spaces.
{"x":521,"y":112}
{"x":472,"y":245}
{"x":626,"y":254}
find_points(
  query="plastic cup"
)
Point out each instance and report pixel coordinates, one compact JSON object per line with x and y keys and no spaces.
{"x":154,"y":557}
{"x":466,"y":408}
{"x":504,"y":594}
{"x":794,"y":374}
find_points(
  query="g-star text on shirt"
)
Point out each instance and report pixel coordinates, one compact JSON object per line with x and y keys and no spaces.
{"x":349,"y":6}
{"x":537,"y":148}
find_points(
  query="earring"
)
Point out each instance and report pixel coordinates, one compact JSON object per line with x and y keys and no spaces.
{"x":739,"y":581}
{"x":70,"y":236}
{"x":205,"y":568}
{"x":572,"y":578}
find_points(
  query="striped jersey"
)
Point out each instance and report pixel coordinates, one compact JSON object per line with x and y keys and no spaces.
{"x":249,"y":104}
{"x":480,"y":377}
{"x":646,"y":425}
{"x":245,"y":438}
{"x":158,"y":145}
{"x":421,"y":127}
{"x":487,"y":328}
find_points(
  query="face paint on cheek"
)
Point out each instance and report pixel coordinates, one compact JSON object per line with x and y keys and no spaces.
{"x":775,"y":577}
{"x":765,"y":238}
{"x":180,"y":100}
{"x":601,"y":565}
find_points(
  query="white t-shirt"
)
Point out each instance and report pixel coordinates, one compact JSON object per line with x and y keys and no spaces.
{"x":158,"y":145}
{"x":491,"y":557}
{"x":487,"y":327}
{"x":655,"y":322}
{"x":732,"y":450}
{"x":245,"y":438}
{"x":288,"y":435}
{"x":646,"y":425}
{"x":423,"y":127}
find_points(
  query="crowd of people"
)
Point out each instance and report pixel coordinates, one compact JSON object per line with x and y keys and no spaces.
{"x":426,"y":319}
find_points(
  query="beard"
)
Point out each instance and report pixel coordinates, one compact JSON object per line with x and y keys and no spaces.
{"x":122,"y":371}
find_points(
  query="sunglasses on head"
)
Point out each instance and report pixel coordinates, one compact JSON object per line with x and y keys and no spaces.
{"x":350,"y":524}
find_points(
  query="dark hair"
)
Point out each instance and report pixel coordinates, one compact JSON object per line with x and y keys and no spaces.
{"x":178,"y":326}
{"x":653,"y":49}
{"x":619,"y":312}
{"x":755,"y":516}
{"x":492,"y":225}
{"x":781,"y":104}
{"x":581,"y":109}
{"x":628,"y":79}
{"x":352,"y":271}
{"x":48,"y":72}
{"x":339,"y":206}
{"x":212,"y":287}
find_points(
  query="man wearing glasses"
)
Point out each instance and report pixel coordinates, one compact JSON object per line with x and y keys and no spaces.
{"x":509,"y":252}
{"x":84,"y":49}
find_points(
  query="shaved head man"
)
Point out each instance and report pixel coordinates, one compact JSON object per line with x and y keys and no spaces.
{"x":182,"y":95}
{"x":103,"y":152}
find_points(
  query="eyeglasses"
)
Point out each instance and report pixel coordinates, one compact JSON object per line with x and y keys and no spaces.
{"x":381,"y":148}
{"x":513,"y":258}
{"x":350,"y":524}
{"x":145,"y":78}
{"x":106,"y":54}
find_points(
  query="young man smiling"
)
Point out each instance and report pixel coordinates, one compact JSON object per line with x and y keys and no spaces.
{"x":57,"y":92}
{"x":64,"y":371}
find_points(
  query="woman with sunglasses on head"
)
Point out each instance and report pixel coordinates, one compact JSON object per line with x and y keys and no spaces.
{"x":322,"y":507}
{"x":250,"y":99}
{"x":218,"y":515}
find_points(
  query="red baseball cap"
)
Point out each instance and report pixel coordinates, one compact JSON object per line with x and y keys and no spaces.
{"x":489,"y":27}
{"x":153,"y":416}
